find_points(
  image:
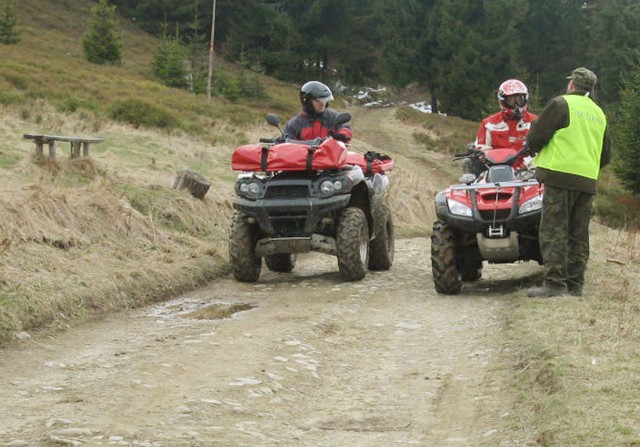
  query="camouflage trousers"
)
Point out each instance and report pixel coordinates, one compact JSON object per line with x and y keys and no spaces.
{"x":564,"y":237}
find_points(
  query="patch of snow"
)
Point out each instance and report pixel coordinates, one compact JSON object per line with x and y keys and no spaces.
{"x":421,"y":107}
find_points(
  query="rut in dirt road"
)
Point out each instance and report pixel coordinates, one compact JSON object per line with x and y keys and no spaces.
{"x":299,"y":359}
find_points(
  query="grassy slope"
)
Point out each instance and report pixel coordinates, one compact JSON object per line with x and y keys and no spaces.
{"x":576,"y":359}
{"x":106,"y":232}
{"x":92,"y":235}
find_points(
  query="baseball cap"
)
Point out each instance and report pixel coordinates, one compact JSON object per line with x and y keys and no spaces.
{"x":583,"y":77}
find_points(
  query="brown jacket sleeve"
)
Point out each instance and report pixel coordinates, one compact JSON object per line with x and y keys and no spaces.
{"x":605,"y":157}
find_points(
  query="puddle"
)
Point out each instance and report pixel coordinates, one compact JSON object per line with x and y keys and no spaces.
{"x":199,"y":309}
{"x":218,"y":311}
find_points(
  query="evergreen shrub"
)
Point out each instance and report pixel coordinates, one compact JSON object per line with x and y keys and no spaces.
{"x":8,"y":21}
{"x":101,"y":43}
{"x":141,"y":113}
{"x":170,"y":64}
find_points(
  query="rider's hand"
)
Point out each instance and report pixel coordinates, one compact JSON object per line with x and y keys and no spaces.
{"x":528,"y":151}
{"x":340,"y":137}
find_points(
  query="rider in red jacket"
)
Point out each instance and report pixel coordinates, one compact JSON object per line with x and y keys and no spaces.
{"x":507,"y":128}
{"x":316,"y":120}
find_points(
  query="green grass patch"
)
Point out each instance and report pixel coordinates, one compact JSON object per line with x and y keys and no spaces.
{"x":72,"y":104}
{"x":8,"y":161}
{"x":613,"y":205}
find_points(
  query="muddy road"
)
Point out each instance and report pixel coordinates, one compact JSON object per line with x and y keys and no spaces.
{"x":300,"y":359}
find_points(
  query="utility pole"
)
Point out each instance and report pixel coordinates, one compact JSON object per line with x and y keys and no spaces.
{"x":211,"y":51}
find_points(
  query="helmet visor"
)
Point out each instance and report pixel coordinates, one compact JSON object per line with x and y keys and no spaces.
{"x":515,"y":100}
{"x":325,"y":99}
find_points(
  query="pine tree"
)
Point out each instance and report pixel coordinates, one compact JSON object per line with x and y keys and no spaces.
{"x":8,"y":20}
{"x":101,"y":42}
{"x":461,"y":76}
{"x":626,"y":132}
{"x":614,"y":29}
{"x":169,"y":63}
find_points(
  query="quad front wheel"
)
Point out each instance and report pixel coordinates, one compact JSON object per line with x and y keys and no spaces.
{"x":443,"y":259}
{"x":242,"y":256}
{"x":353,"y":243}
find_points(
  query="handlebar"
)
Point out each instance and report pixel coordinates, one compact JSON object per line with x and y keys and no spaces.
{"x":481,"y":155}
{"x":271,"y":140}
{"x":521,"y":153}
{"x":313,"y":142}
{"x":471,"y":153}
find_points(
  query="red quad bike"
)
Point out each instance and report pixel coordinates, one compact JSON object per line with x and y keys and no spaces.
{"x":315,"y":195}
{"x":493,"y":217}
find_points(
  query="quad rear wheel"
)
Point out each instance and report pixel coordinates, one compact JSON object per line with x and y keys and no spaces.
{"x":469,"y":259}
{"x":282,"y":263}
{"x":381,"y":249}
{"x":352,"y":237}
{"x":446,"y":278}
{"x":470,"y":272}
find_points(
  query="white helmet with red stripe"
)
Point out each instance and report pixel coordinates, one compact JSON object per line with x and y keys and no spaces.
{"x":513,"y":97}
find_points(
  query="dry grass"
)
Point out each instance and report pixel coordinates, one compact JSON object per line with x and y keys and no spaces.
{"x":105,"y":233}
{"x":420,"y":172}
{"x":577,"y":369}
{"x":88,"y":235}
{"x":439,"y":133}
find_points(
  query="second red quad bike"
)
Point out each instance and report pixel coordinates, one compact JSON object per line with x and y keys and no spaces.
{"x":493,"y":217}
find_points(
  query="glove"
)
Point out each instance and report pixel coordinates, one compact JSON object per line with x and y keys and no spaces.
{"x":528,"y":151}
{"x":340,"y":137}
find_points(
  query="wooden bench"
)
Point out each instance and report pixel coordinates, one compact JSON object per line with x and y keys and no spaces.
{"x":76,"y":143}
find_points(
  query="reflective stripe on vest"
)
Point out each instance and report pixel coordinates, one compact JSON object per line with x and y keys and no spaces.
{"x":576,"y":149}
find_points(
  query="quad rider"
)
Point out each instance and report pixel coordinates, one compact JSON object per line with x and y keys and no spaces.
{"x":316,"y":119}
{"x":507,"y":128}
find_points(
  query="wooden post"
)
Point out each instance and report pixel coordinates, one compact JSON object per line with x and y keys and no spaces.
{"x":211,"y":51}
{"x":39,"y":148}
{"x":75,"y":149}
{"x":52,"y":149}
{"x":85,"y":148}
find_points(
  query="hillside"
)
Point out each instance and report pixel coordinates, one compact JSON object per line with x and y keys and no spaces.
{"x":89,"y":235}
{"x":79,"y":238}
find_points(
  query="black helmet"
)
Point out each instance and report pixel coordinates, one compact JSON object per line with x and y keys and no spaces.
{"x":314,"y":90}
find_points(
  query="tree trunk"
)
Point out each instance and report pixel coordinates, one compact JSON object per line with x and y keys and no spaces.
{"x":195,"y":183}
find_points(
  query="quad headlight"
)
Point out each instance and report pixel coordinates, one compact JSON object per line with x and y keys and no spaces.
{"x":526,"y":174}
{"x":531,"y":205}
{"x":330,"y":187}
{"x":249,"y":190}
{"x":459,"y":209}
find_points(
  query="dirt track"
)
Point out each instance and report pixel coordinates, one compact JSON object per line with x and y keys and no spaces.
{"x":307,"y":361}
